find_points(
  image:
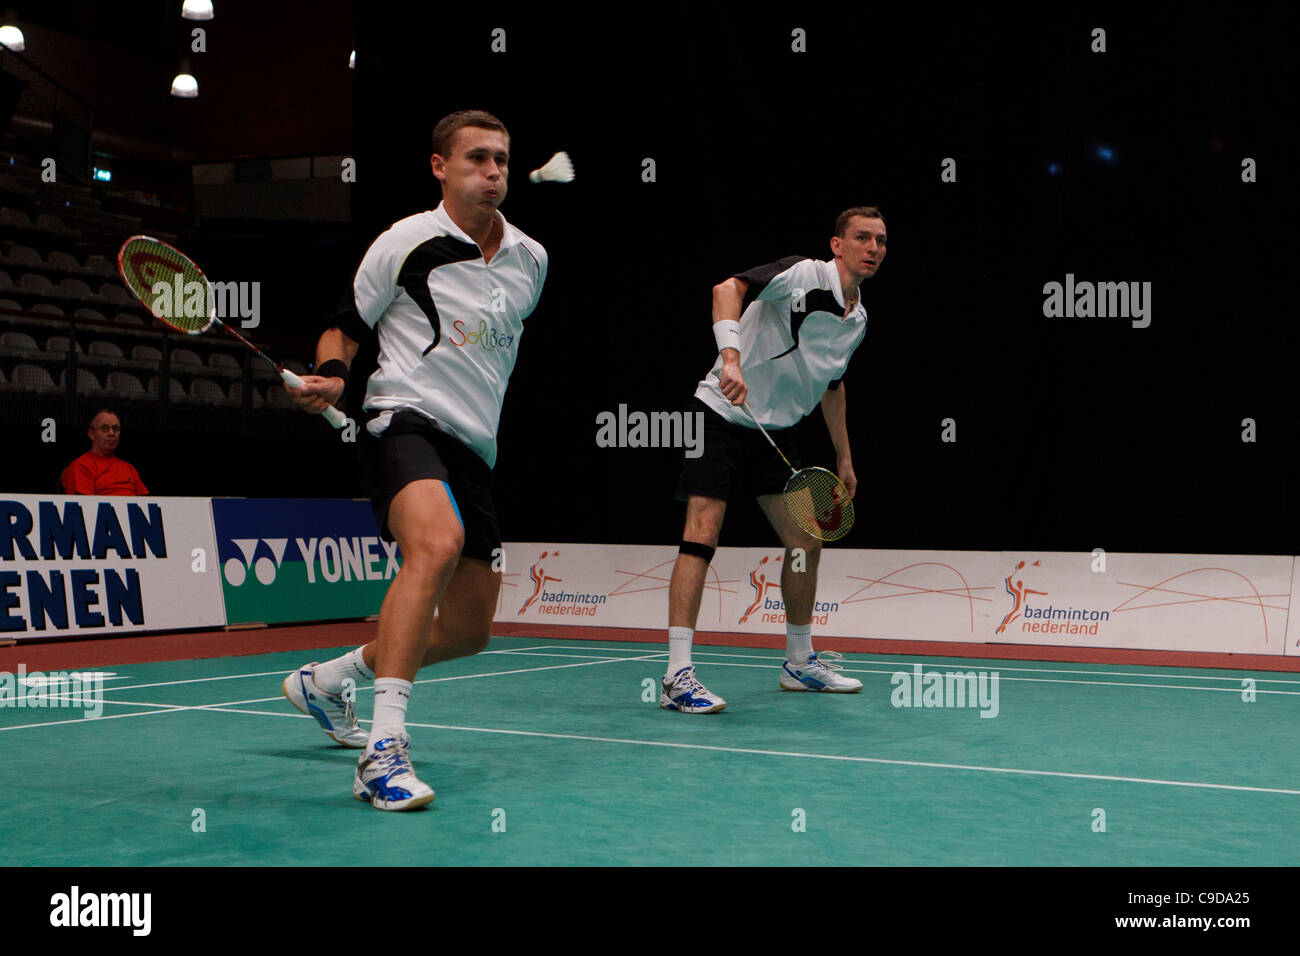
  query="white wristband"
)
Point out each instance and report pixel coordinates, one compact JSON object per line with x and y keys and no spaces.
{"x":727,"y":334}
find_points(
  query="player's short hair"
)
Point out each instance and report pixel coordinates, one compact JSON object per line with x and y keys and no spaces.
{"x":102,"y":411}
{"x":445,"y":130}
{"x":842,"y":220}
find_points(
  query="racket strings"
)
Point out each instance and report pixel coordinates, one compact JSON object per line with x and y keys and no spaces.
{"x":819,"y":503}
{"x":168,"y":283}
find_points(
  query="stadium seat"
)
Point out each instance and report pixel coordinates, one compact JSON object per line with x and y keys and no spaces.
{"x":37,"y":283}
{"x":47,"y":308}
{"x":127,"y":318}
{"x":185,"y":357}
{"x":24,"y":255}
{"x":100,"y":266}
{"x":48,"y":222}
{"x":125,"y":385}
{"x":176,"y":392}
{"x":71,"y":288}
{"x":295,"y":366}
{"x":113,"y":292}
{"x":10,"y":184}
{"x":146,"y":353}
{"x":15,"y":219}
{"x":278,"y":397}
{"x":87,"y":382}
{"x":206,"y":391}
{"x":237,"y":395}
{"x":34,"y":378}
{"x":58,"y":259}
{"x":59,"y":343}
{"x":6,"y":282}
{"x":18,"y":340}
{"x":93,"y":314}
{"x":108,"y":349}
{"x":223,"y":360}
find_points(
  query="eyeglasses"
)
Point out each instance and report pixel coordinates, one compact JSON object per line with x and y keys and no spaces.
{"x":108,"y":428}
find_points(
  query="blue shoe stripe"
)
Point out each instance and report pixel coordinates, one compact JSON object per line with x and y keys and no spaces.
{"x":381,"y":788}
{"x":312,"y":709}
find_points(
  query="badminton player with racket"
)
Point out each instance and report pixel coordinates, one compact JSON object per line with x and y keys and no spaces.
{"x":429,"y":410}
{"x":785,"y":334}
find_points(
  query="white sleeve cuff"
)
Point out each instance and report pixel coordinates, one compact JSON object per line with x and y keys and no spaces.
{"x":727,"y":334}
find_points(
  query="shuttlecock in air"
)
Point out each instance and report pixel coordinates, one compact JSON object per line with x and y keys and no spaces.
{"x":559,"y":169}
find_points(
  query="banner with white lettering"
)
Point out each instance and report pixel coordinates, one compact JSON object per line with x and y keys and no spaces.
{"x":83,"y":565}
{"x":300,"y":560}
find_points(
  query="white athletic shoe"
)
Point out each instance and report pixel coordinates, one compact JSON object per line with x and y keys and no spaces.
{"x":683,"y":692}
{"x":819,"y":674}
{"x":334,"y":714}
{"x":385,"y":778}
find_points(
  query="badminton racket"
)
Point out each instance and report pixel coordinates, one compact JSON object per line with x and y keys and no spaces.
{"x":144,"y":262}
{"x":815,"y":497}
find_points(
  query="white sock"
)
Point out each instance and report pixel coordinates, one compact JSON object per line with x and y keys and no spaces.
{"x":330,"y":676}
{"x":798,"y":642}
{"x":679,"y":648}
{"x":391,"y":696}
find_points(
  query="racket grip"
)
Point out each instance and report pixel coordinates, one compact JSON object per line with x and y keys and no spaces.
{"x":334,"y":416}
{"x":331,"y":414}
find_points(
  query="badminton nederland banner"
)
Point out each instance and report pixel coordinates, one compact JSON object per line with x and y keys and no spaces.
{"x":287,"y":560}
{"x":1225,"y":603}
{"x":94,"y":565}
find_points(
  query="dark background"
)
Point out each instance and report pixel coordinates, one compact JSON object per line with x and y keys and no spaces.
{"x":1072,"y":433}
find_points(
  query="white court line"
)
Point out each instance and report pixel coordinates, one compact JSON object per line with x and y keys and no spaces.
{"x":701,"y":653}
{"x":1028,"y":680}
{"x":230,"y":708}
{"x":659,"y":655}
{"x":203,"y":680}
{"x":95,"y":720}
{"x":439,"y":680}
{"x":1036,"y":680}
{"x":171,"y":708}
{"x":816,"y":756}
{"x":951,"y":663}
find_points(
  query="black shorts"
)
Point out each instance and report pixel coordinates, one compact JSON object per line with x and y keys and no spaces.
{"x":737,"y":457}
{"x":410,"y":449}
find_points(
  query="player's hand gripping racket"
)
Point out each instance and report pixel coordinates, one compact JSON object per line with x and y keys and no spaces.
{"x":144,"y":262}
{"x":815,"y":497}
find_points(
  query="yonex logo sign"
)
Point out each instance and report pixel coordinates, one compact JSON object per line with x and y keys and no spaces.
{"x":265,"y":568}
{"x":328,"y":559}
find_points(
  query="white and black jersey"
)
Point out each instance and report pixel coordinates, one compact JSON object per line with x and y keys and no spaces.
{"x":448,"y":324}
{"x":795,"y":342}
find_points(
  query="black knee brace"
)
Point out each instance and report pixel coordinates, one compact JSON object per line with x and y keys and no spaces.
{"x":697,"y":549}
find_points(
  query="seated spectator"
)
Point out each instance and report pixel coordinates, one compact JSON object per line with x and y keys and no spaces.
{"x":99,"y":471}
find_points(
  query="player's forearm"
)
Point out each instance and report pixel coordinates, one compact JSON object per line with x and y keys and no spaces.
{"x":834,"y":410}
{"x":334,"y":345}
{"x":728,"y":298}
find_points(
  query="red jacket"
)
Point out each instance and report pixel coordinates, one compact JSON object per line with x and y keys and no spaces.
{"x":93,"y":474}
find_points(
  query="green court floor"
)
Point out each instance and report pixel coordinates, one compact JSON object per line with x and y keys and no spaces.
{"x":546,"y":752}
